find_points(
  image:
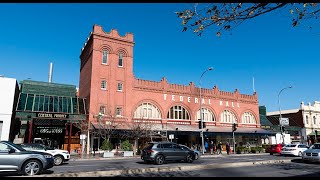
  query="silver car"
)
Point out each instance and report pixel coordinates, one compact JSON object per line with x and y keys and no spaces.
{"x":312,"y":154}
{"x":160,"y":152}
{"x":15,"y":158}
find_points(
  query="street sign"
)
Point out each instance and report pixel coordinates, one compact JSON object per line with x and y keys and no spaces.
{"x":83,"y":136}
{"x":284,"y":121}
{"x":171,"y":136}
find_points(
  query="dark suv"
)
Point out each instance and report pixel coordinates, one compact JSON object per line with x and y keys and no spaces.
{"x":160,"y":152}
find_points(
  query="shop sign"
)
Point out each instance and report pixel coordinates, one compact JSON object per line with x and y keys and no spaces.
{"x":50,"y":130}
{"x":52,"y":115}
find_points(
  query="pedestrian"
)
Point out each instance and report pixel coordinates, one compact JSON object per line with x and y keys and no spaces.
{"x":219,"y":148}
{"x":211,"y":147}
{"x":206,"y":146}
{"x":214,"y":148}
{"x":228,"y":148}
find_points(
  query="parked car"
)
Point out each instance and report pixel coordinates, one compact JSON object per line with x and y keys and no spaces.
{"x":161,"y":152}
{"x":15,"y":158}
{"x":312,"y":154}
{"x":59,"y":155}
{"x":293,"y":149}
{"x":276,"y":148}
{"x":197,"y":154}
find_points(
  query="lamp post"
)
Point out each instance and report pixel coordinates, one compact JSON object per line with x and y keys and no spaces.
{"x":280,"y":111}
{"x":201,"y":115}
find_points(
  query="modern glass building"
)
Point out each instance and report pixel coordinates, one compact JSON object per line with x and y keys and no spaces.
{"x":52,"y":113}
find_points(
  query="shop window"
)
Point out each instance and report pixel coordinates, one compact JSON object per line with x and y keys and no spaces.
{"x":307,"y":121}
{"x":314,"y":120}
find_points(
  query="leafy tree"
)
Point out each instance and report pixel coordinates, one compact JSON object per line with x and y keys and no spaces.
{"x":227,"y":16}
{"x":106,"y":145}
{"x":126,"y":145}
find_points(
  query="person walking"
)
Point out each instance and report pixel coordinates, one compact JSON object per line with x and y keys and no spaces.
{"x":228,"y":148}
{"x":206,"y":146}
{"x":219,"y":148}
{"x":211,"y":147}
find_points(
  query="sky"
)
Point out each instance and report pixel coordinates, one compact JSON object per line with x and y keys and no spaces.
{"x":266,"y":48}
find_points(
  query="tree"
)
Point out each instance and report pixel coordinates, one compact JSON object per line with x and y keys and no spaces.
{"x":139,"y":129}
{"x":106,"y":124}
{"x":227,"y":16}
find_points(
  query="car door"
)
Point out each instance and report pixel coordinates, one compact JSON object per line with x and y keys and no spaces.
{"x":168,"y":151}
{"x":179,"y":153}
{"x":8,"y":161}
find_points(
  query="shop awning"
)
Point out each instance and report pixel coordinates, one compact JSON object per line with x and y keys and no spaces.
{"x":313,"y":133}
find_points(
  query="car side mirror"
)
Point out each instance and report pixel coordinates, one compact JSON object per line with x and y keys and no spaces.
{"x":11,"y":151}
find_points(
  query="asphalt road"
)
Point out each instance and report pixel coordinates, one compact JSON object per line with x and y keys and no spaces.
{"x":294,"y":168}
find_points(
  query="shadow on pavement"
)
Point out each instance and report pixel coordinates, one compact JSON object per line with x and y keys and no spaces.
{"x":302,"y":161}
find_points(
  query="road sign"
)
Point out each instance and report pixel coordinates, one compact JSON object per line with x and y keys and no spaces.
{"x":284,"y":121}
{"x":171,"y":136}
{"x":83,"y":136}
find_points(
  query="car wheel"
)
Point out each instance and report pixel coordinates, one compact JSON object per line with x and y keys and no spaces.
{"x":58,"y":160}
{"x":196,"y":156}
{"x":300,"y":153}
{"x":32,"y":167}
{"x":159,"y":159}
{"x":189,"y":158}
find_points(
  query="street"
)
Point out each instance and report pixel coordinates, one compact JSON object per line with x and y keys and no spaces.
{"x":248,"y":165}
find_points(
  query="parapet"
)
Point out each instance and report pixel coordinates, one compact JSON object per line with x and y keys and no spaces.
{"x":97,"y":29}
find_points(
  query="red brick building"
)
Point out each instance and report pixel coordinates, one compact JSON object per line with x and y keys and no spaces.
{"x":107,"y":82}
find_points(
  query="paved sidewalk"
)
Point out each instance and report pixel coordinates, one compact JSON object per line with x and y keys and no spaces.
{"x":76,"y":157}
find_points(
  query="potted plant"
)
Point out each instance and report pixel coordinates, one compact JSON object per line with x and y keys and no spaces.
{"x":126,"y":146}
{"x":107,"y":147}
{"x":253,"y":150}
{"x":239,"y":149}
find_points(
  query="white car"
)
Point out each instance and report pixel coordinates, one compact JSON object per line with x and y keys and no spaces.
{"x":294,"y":149}
{"x":59,"y":155}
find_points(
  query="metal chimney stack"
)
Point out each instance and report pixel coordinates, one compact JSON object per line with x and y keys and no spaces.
{"x":50,"y":72}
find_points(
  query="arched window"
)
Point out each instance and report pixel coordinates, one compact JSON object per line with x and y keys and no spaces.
{"x":248,"y":118}
{"x":307,"y":122}
{"x":228,"y":117}
{"x":148,"y":111}
{"x":207,"y":115}
{"x":314,"y":120}
{"x":105,"y":57}
{"x":178,"y":112}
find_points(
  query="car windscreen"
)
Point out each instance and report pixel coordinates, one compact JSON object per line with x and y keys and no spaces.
{"x":315,"y":146}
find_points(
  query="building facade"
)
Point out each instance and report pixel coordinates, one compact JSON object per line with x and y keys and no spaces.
{"x":51,"y":113}
{"x":9,"y":93}
{"x":108,"y":83}
{"x":304,"y":121}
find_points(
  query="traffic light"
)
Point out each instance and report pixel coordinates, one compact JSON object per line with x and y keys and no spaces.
{"x":234,"y":127}
{"x":204,"y":125}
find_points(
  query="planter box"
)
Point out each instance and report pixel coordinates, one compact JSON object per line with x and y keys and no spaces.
{"x":108,"y":154}
{"x":127,"y":153}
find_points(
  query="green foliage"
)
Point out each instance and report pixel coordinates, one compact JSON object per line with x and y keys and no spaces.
{"x":106,"y":145}
{"x":126,"y":145}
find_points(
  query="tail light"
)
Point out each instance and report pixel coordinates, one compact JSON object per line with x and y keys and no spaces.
{"x":149,"y":151}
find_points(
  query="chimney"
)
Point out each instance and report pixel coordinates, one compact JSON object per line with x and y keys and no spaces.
{"x":50,"y":72}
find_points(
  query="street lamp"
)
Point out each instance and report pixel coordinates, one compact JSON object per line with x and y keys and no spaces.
{"x":201,"y":115}
{"x":280,"y":111}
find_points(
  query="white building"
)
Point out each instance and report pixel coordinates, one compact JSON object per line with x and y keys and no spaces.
{"x":9,"y":92}
{"x":307,"y":117}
